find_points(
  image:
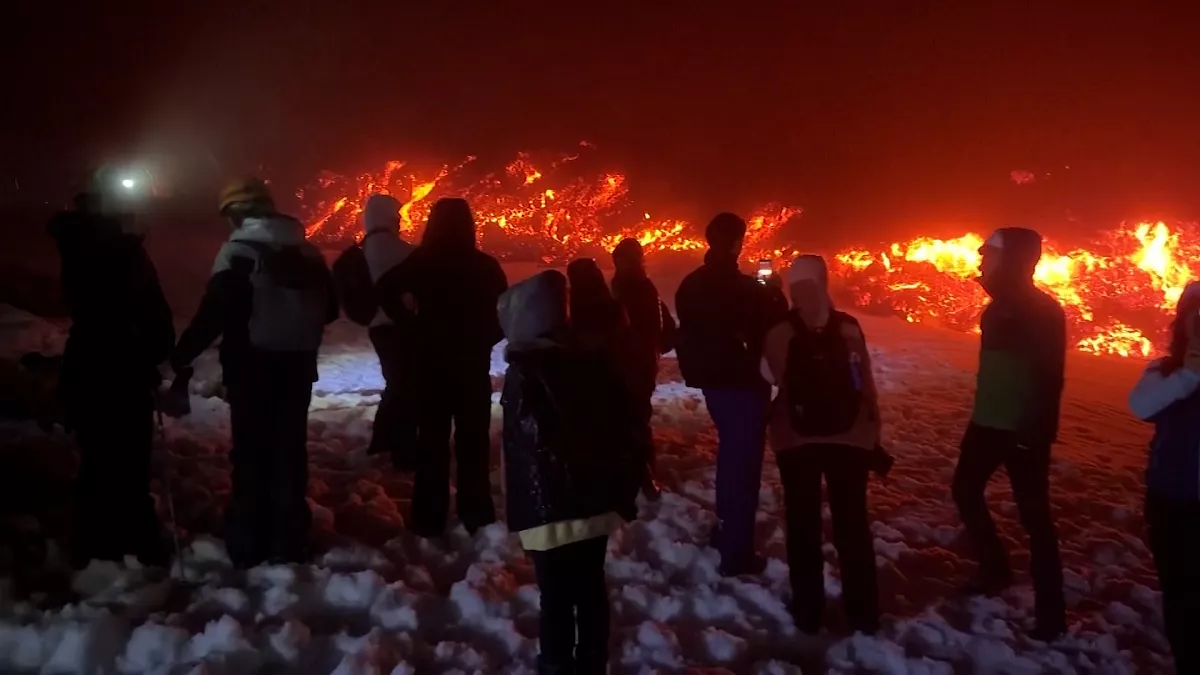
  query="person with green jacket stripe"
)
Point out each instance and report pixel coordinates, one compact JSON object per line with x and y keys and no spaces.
{"x":1015,"y":421}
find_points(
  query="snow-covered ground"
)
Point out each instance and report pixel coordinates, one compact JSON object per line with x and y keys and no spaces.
{"x":378,"y":600}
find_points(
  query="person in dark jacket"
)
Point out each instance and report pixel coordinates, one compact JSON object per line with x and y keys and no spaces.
{"x":597,"y":319}
{"x":455,"y":287}
{"x":121,"y":330}
{"x":651,"y":327}
{"x":574,"y":446}
{"x":724,"y":316}
{"x":1168,"y":395}
{"x":1015,"y":421}
{"x":269,"y":299}
{"x":395,"y":427}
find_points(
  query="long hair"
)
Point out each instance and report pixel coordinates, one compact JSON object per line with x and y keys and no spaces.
{"x":1187,"y":311}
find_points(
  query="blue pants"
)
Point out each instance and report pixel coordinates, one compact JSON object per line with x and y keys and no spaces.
{"x":740,"y":417}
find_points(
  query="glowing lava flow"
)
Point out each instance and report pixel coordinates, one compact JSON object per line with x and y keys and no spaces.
{"x":1118,"y":291}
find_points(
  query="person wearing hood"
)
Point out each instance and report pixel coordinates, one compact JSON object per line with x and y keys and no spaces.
{"x":1168,"y":395}
{"x":455,"y":287}
{"x":1014,"y":421}
{"x":269,"y":299}
{"x":724,"y":316}
{"x":573,"y":448}
{"x":651,"y":327}
{"x":121,"y":330}
{"x":824,"y":423}
{"x":395,"y":428}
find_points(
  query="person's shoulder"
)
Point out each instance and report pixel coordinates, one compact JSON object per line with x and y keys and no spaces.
{"x":849,"y":326}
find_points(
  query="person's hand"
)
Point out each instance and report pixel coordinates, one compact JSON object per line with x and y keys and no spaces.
{"x":410,"y":302}
{"x":774,"y":282}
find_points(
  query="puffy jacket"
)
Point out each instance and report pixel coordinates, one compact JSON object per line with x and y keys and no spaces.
{"x":230,"y":309}
{"x":1172,"y":403}
{"x":574,"y":445}
{"x":121,"y":325}
{"x":382,"y":246}
{"x":1023,"y":345}
{"x":456,"y":287}
{"x":723,"y":317}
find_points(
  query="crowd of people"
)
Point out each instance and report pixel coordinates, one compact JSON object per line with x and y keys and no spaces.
{"x":773,"y":357}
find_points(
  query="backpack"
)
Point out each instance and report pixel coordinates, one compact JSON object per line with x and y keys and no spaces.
{"x":356,"y":291}
{"x":290,"y":300}
{"x":823,"y":378}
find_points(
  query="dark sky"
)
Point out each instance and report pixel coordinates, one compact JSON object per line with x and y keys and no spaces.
{"x":860,"y":111}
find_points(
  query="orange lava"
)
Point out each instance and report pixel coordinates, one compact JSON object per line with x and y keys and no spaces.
{"x":1118,"y":291}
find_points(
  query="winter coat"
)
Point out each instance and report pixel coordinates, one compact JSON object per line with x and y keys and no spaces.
{"x":456,"y":287}
{"x":1023,"y":346}
{"x":382,"y":246}
{"x":236,"y":308}
{"x":723,"y":317}
{"x":121,"y":325}
{"x":648,"y":318}
{"x":574,"y":446}
{"x":1172,"y":403}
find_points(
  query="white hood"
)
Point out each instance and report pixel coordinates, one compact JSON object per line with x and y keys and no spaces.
{"x":274,"y":231}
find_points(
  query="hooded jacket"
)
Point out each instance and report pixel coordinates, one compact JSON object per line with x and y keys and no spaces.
{"x":723,"y":318}
{"x":648,"y":317}
{"x":121,"y":325}
{"x":573,"y":443}
{"x":229,"y":305}
{"x":1023,"y":344}
{"x":866,"y":430}
{"x":455,"y":286}
{"x":382,"y":246}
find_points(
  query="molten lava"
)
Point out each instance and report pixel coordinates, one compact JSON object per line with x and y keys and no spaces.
{"x":1118,"y":292}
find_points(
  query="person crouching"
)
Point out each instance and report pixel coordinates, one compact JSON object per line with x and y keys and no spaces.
{"x":574,"y":455}
{"x":825,"y":422}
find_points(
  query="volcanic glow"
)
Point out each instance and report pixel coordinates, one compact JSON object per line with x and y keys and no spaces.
{"x":1118,"y":292}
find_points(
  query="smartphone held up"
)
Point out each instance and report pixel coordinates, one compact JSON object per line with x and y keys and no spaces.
{"x":766,"y":270}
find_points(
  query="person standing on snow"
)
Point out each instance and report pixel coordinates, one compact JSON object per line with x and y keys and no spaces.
{"x":395,"y":429}
{"x":723,"y":317}
{"x":455,"y":287}
{"x":269,"y":299}
{"x":1015,"y":421}
{"x":1168,"y":395}
{"x":651,"y":325}
{"x":121,"y":330}
{"x":825,"y":422}
{"x":574,"y":448}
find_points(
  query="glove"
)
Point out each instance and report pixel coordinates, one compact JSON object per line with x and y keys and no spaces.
{"x":880,"y":461}
{"x":175,"y":402}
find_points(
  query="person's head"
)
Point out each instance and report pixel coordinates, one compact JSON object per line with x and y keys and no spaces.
{"x":245,"y":198}
{"x":808,"y":283}
{"x":533,"y":313}
{"x":726,"y":233}
{"x":628,"y":257}
{"x":381,"y":213}
{"x":1183,"y":328}
{"x":1008,"y":260}
{"x":451,"y":225}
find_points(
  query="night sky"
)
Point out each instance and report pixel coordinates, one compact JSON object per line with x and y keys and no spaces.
{"x":869,"y":114}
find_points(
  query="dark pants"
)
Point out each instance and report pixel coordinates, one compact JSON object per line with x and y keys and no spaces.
{"x":983,"y":452}
{"x":845,"y":472}
{"x":268,"y":517}
{"x":740,"y":418}
{"x":463,"y":399}
{"x":395,"y":428}
{"x":1172,"y":526}
{"x":114,"y":513}
{"x":575,"y":613}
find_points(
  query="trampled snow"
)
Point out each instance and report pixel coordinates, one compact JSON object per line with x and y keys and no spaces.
{"x":378,"y":600}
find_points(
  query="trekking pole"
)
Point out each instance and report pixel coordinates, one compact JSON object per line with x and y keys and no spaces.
{"x":166,"y":479}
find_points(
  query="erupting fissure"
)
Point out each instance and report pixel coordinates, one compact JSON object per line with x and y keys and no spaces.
{"x":1118,"y":291}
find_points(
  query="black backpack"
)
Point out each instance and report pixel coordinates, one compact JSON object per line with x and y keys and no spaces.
{"x":355,"y":289}
{"x":823,"y":378}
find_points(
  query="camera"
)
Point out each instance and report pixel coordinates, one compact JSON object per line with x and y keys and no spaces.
{"x":765,"y":272}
